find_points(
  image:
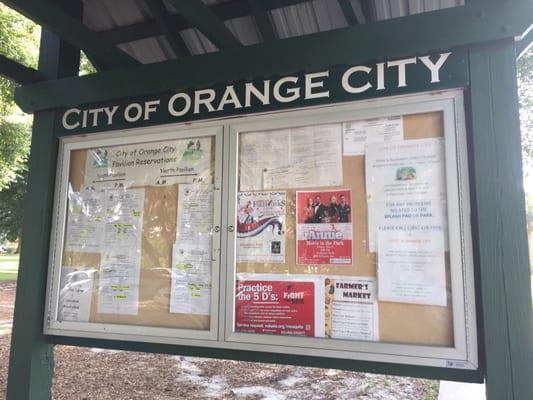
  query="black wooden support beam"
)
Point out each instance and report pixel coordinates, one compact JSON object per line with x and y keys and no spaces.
{"x":165,"y":23}
{"x":353,"y":11}
{"x":203,"y":18}
{"x":397,"y":37}
{"x":263,"y":21}
{"x":18,"y":73}
{"x":53,"y":17}
{"x":224,"y":11}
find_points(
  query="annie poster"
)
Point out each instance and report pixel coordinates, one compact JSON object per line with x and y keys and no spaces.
{"x":324,"y":227}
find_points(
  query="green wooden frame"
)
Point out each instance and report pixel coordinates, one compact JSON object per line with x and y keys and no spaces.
{"x":31,"y":356}
{"x":18,"y":73}
{"x":498,"y":220}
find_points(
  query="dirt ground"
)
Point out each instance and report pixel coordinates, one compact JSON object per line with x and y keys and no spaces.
{"x":95,"y":374}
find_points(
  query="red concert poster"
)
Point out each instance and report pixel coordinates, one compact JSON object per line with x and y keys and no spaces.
{"x":324,"y":227}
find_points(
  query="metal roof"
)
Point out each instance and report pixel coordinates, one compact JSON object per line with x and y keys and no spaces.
{"x":305,"y":17}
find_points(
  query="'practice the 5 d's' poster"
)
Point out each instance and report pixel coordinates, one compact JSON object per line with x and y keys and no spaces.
{"x":324,"y":227}
{"x":278,"y":307}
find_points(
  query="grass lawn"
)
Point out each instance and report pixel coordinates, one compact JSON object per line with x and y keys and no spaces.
{"x":9,"y":265}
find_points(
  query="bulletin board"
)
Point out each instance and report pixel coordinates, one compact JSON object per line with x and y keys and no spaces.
{"x":158,"y":237}
{"x":411,"y":331}
{"x":398,"y":322}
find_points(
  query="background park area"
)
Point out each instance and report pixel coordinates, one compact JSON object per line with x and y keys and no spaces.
{"x":90,"y":373}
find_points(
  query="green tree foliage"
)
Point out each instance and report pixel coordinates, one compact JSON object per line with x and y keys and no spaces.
{"x":19,"y":39}
{"x":86,"y":67}
{"x":11,"y":208}
{"x":14,"y":147}
{"x":19,"y":42}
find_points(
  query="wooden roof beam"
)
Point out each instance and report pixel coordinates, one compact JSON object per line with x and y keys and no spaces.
{"x":165,"y":23}
{"x":525,"y":43}
{"x":203,"y":18}
{"x":224,"y":11}
{"x":57,"y":20}
{"x":353,"y":11}
{"x":18,"y":73}
{"x":260,"y":14}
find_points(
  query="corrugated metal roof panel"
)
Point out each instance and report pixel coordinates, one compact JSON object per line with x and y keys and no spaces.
{"x":101,"y":15}
{"x":197,"y":42}
{"x":296,"y":20}
{"x":149,"y":50}
{"x":387,"y":9}
{"x":245,"y":29}
{"x":309,"y":17}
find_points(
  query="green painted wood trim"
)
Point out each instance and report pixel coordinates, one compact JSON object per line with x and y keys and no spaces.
{"x":68,"y":27}
{"x":260,"y":14}
{"x":501,"y":223}
{"x":203,"y":18}
{"x":524,"y":44}
{"x":18,"y":73}
{"x":419,"y":33}
{"x":286,"y":359}
{"x":31,"y":357}
{"x":160,"y":12}
{"x":353,"y":12}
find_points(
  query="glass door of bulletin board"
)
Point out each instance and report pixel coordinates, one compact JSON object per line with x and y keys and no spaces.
{"x":138,"y":235}
{"x":350,"y":232}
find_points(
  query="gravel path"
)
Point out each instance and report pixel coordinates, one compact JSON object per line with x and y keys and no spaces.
{"x":94,"y":374}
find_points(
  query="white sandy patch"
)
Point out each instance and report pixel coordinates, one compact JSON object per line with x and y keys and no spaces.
{"x":266,"y":392}
{"x":191,"y":373}
{"x":215,"y":386}
{"x":108,"y":351}
{"x":291,"y":381}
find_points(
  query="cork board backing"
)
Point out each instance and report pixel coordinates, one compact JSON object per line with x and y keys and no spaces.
{"x":398,"y":322}
{"x":158,"y":237}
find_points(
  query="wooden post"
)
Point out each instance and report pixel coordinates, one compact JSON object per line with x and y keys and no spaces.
{"x":31,"y":358}
{"x":501,"y":224}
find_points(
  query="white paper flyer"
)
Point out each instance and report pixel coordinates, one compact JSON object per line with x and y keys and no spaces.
{"x":422,"y":216}
{"x":261,"y":227}
{"x":411,"y":268}
{"x":194,"y":223}
{"x":291,"y":158}
{"x":190,"y":288}
{"x":123,"y":218}
{"x":356,"y":134}
{"x":149,"y":164}
{"x":84,"y":229}
{"x":351,"y":308}
{"x":75,"y":295}
{"x":119,"y":281}
{"x":407,"y":170}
